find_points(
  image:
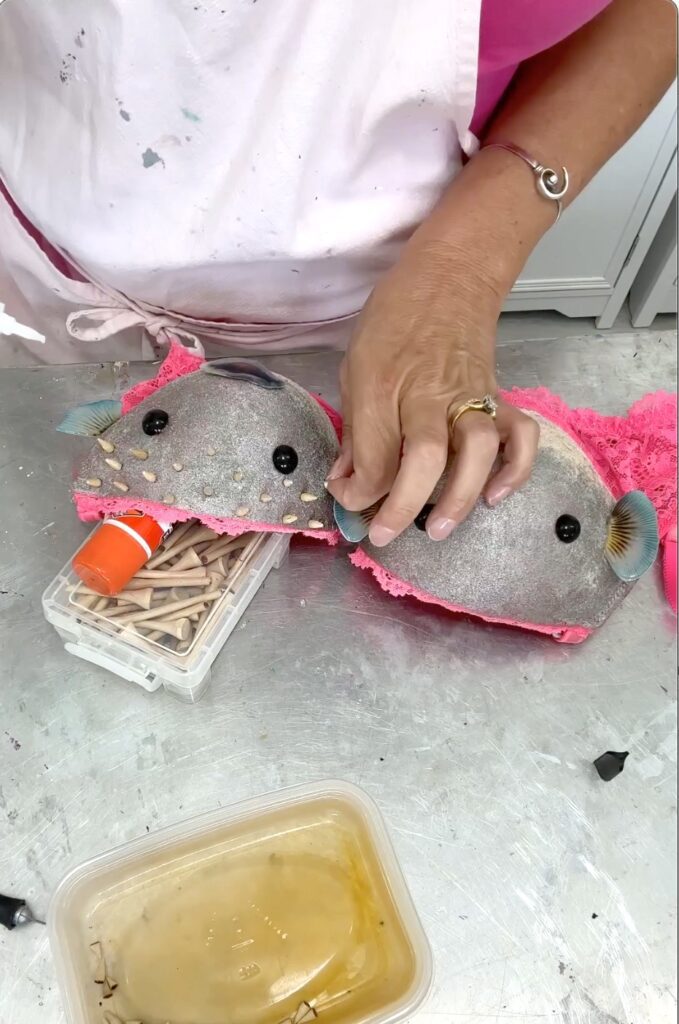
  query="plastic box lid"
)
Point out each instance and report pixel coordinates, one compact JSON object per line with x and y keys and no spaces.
{"x":145,"y":663}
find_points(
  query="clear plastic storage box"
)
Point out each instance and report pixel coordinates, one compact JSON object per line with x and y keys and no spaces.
{"x":289,"y":908}
{"x":139,"y":660}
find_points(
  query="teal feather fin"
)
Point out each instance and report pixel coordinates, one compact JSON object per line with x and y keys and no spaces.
{"x":354,"y":526}
{"x":632,"y":543}
{"x":91,"y":419}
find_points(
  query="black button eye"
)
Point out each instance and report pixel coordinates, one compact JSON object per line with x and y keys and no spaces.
{"x":421,"y":518}
{"x":285,"y":459}
{"x":567,"y":528}
{"x":155,"y":421}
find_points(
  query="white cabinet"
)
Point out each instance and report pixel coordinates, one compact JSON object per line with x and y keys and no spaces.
{"x":655,"y":287}
{"x":586,"y":264}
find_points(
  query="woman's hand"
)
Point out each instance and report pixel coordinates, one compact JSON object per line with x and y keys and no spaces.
{"x":425,"y":345}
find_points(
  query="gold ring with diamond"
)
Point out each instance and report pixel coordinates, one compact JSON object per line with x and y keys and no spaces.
{"x":486,"y":404}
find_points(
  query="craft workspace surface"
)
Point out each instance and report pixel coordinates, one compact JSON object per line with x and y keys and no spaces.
{"x":546,"y":893}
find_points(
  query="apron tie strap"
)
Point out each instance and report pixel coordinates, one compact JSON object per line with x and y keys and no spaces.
{"x":105,"y":321}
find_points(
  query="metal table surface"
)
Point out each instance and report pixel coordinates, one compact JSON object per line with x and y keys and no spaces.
{"x":547,"y":894}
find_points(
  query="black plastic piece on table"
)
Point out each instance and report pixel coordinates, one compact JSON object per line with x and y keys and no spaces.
{"x":9,"y":911}
{"x":610,"y":764}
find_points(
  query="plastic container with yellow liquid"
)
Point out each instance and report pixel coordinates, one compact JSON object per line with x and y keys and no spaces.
{"x":286,"y":909}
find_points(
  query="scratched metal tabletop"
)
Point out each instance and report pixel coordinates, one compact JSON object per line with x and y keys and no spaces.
{"x":547,"y":894}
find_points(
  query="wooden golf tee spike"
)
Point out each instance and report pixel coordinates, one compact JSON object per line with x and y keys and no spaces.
{"x":189,"y":560}
{"x":179,"y":628}
{"x":165,"y":609}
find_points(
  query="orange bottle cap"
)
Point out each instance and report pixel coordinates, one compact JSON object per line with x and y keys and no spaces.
{"x":116,"y":551}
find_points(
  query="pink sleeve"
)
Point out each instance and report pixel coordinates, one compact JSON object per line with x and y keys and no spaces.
{"x":514,"y":30}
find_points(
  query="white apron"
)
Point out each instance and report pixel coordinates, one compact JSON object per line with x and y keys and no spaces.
{"x":239,"y":170}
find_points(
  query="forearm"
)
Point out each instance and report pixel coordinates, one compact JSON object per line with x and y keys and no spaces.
{"x":573,"y":105}
{"x":423,"y":346}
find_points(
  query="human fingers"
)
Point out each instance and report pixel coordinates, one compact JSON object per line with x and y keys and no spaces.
{"x":521,"y":435}
{"x":423,"y":460}
{"x":476,"y":443}
{"x":375,"y":444}
{"x":344,"y":463}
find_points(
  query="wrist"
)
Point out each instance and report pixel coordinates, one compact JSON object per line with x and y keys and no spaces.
{"x":453,"y":305}
{"x":454,"y":279}
{"x":493,"y":216}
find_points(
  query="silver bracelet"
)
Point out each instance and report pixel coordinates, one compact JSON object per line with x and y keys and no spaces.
{"x":546,"y":179}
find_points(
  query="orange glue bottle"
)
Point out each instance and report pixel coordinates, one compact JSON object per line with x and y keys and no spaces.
{"x":117,"y":550}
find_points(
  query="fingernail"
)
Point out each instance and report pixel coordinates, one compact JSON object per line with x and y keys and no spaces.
{"x":335,"y":472}
{"x":495,"y":497}
{"x":439,"y":529}
{"x":380,"y":536}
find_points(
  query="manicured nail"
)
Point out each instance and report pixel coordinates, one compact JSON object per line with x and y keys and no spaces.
{"x":380,"y":536}
{"x":439,"y":529}
{"x":495,"y":497}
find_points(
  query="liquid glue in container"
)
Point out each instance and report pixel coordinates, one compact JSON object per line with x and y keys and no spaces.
{"x":290,"y":907}
{"x":117,"y":550}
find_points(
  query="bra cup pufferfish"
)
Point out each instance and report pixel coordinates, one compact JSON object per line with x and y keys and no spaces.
{"x":558,"y":553}
{"x":233,"y":442}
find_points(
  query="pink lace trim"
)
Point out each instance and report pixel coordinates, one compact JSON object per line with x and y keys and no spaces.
{"x":397,"y":588}
{"x":90,"y":508}
{"x":178,"y":362}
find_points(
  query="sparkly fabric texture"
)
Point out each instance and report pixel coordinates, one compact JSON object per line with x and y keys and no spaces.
{"x":397,"y":588}
{"x":507,"y":562}
{"x":638,"y":451}
{"x":178,"y":362}
{"x":633,"y":452}
{"x":213,"y":461}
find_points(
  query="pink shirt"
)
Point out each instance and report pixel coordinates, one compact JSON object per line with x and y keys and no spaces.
{"x":514,"y":30}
